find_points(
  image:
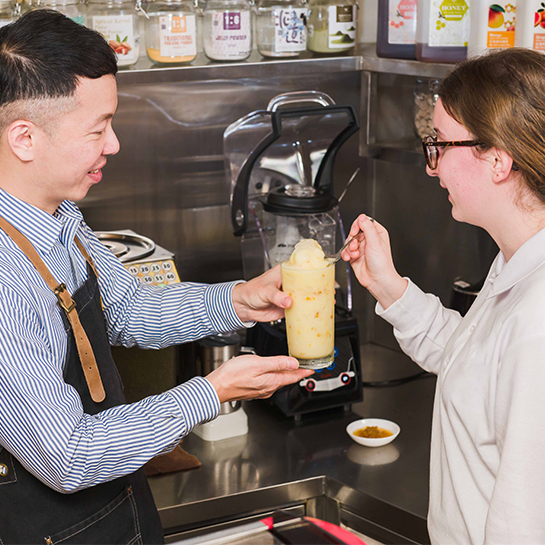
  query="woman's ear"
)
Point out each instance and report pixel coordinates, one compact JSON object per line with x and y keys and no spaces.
{"x":502,"y":165}
{"x":20,"y":137}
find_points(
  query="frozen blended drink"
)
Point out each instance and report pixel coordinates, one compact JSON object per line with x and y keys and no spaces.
{"x":310,"y":325}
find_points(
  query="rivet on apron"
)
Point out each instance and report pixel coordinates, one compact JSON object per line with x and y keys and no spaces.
{"x":3,"y":470}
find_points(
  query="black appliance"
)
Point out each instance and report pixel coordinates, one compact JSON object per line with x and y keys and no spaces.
{"x":280,"y":175}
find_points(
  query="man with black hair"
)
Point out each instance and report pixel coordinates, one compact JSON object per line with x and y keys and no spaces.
{"x":71,"y":449}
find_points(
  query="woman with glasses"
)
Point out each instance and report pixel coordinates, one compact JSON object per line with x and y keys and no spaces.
{"x":487,"y":469}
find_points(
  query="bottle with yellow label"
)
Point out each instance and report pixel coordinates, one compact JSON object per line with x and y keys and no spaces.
{"x":442,"y":30}
{"x":171,"y":32}
{"x":492,"y":26}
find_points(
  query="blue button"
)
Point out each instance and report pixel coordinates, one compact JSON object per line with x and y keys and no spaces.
{"x":332,"y":366}
{"x":335,"y":352}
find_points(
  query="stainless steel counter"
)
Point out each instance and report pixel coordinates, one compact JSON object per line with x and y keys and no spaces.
{"x":314,"y":465}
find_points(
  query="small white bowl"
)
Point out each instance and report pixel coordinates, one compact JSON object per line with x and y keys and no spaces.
{"x":368,"y":441}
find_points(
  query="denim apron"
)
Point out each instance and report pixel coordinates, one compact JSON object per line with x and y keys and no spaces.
{"x":119,"y":511}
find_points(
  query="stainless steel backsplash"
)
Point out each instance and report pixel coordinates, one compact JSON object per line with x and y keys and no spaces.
{"x":168,"y":181}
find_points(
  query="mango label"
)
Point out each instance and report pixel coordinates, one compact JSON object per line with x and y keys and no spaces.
{"x":501,"y":40}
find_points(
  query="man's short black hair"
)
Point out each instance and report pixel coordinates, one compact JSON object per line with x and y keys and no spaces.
{"x":44,"y":53}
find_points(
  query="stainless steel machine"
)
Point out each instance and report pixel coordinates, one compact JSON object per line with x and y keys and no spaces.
{"x":279,"y":164}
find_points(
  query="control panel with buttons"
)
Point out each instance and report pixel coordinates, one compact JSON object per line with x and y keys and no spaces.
{"x":155,"y":273}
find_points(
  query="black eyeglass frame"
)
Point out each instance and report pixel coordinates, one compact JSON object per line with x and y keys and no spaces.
{"x":429,"y":142}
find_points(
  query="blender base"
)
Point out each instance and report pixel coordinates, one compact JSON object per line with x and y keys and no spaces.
{"x":224,"y":426}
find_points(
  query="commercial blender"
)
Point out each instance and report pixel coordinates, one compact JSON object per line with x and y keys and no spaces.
{"x":279,"y":165}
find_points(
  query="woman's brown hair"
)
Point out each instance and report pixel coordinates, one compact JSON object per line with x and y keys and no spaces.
{"x":500,"y":99}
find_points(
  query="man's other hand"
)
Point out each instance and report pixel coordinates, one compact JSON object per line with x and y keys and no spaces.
{"x":254,"y":377}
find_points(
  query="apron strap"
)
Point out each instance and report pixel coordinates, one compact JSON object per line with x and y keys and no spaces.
{"x":86,"y":256}
{"x":65,"y":301}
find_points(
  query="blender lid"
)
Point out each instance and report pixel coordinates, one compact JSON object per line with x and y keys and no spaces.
{"x":299,"y":143}
{"x":279,"y":201}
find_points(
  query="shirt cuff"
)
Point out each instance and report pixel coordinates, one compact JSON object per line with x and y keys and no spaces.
{"x":409,"y":309}
{"x":218,"y":300}
{"x":197,"y":400}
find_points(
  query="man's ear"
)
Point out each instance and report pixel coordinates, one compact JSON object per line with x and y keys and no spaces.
{"x":502,"y":165}
{"x":21,"y":137}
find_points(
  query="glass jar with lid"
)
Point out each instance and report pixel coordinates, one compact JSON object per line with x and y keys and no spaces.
{"x":71,"y":8}
{"x":227,"y":30}
{"x":281,"y":27}
{"x":331,"y":25}
{"x":9,"y":11}
{"x":117,"y":21}
{"x":171,"y":31}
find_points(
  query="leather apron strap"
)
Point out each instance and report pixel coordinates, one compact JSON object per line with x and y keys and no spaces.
{"x":65,"y":301}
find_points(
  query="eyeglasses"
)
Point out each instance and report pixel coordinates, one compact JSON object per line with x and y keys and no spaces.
{"x":430,"y":145}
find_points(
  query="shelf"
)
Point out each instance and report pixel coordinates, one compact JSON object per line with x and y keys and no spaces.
{"x":255,"y":66}
{"x":363,"y":58}
{"x":372,"y":63}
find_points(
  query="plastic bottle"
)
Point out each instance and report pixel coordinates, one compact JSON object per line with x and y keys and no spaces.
{"x":530,"y":24}
{"x":492,"y":26}
{"x":442,"y":30}
{"x":396,"y":30}
{"x":331,"y":26}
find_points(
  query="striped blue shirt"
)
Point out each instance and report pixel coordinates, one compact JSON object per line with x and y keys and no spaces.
{"x":42,"y":422}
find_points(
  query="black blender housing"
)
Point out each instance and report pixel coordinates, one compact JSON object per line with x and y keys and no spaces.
{"x":277,"y":201}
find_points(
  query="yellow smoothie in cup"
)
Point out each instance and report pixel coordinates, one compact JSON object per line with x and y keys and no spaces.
{"x":310,"y":325}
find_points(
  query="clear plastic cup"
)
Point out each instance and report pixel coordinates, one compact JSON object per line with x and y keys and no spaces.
{"x":310,"y":322}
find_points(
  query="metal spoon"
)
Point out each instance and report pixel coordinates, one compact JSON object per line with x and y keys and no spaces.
{"x":336,"y":256}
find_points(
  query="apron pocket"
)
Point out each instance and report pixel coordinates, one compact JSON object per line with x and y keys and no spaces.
{"x":117,"y":523}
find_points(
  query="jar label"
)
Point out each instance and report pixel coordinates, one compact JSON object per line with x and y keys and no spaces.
{"x":177,"y":36}
{"x":342,"y":26}
{"x":402,"y":21}
{"x":119,"y":32}
{"x":290,"y":32}
{"x":230,"y":36}
{"x":449,"y":23}
{"x":500,"y":33}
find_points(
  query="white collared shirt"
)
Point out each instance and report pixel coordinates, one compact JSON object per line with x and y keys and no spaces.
{"x":487,"y":468}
